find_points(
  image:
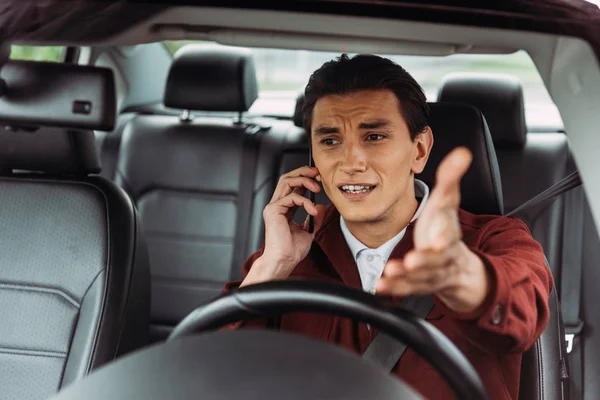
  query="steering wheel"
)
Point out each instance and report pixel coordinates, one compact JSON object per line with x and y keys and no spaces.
{"x":271,"y":299}
{"x":254,"y":364}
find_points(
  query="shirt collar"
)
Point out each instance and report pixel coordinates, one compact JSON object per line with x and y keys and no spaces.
{"x":356,"y":246}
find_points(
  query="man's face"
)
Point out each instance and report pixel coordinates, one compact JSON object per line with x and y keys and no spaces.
{"x":365,"y":156}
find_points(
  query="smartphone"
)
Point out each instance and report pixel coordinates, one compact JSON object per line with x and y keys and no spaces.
{"x":311,"y":194}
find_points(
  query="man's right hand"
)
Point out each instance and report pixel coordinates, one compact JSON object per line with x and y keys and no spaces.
{"x":286,"y":243}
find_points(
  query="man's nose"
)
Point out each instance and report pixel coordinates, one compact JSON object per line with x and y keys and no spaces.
{"x":354,"y":159}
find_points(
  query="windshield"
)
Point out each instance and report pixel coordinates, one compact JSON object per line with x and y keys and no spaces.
{"x":283,"y":74}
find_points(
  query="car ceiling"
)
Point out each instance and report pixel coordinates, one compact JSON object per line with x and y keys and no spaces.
{"x":85,"y":21}
{"x":551,"y":31}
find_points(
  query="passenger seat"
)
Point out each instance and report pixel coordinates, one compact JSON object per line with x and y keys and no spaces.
{"x":200,"y":183}
{"x":74,"y":275}
{"x":529,"y":162}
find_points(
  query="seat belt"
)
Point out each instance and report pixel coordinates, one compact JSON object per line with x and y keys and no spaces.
{"x":567,"y":183}
{"x":384,"y":349}
{"x":571,"y":261}
{"x":572,"y":257}
{"x":570,"y":286}
{"x":387,"y":351}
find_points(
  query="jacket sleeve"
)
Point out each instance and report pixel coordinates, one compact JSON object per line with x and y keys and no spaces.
{"x":516,"y":310}
{"x":258,"y":323}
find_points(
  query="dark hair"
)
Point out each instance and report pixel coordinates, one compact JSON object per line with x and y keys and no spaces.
{"x":346,"y":75}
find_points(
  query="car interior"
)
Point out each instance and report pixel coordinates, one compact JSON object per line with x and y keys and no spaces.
{"x":77,"y":296}
{"x":133,"y":179}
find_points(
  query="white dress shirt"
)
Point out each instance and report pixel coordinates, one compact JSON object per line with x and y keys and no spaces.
{"x":370,"y":262}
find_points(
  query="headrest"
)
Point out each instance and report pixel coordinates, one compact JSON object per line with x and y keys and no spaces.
{"x":50,"y":150}
{"x":211,"y":79}
{"x":57,"y":94}
{"x":499,"y":97}
{"x":453,"y":125}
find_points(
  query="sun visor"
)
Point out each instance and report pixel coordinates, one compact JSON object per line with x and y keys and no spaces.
{"x":57,"y":95}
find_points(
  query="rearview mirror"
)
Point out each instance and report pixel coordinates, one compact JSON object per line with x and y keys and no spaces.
{"x":57,"y":95}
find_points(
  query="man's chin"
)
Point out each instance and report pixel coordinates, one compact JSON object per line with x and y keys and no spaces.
{"x":359,"y":214}
{"x":363,"y":211}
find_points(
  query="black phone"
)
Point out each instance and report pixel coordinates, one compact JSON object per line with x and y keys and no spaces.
{"x":311,"y":195}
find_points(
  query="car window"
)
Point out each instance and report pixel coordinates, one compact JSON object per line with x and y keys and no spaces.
{"x":37,"y":53}
{"x":282,"y":74}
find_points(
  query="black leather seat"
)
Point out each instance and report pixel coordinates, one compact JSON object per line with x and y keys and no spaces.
{"x":74,"y":275}
{"x":200,"y":183}
{"x":454,"y":124}
{"x":529,"y":162}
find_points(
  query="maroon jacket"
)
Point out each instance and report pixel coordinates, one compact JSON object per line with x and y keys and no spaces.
{"x":492,"y":338}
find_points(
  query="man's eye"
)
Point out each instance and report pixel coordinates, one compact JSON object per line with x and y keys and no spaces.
{"x":329,"y":141}
{"x":375,"y":136}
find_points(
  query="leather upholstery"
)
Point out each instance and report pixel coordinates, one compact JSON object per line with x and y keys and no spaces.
{"x":499,"y":97}
{"x":211,"y":79}
{"x":73,"y":259}
{"x":187,"y":180}
{"x":528,"y":171}
{"x":456,"y":125}
{"x":543,"y":369}
{"x":108,"y":145}
{"x":51,"y":150}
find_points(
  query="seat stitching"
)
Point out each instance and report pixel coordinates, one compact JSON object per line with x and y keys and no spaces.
{"x":41,"y":289}
{"x":33,"y":353}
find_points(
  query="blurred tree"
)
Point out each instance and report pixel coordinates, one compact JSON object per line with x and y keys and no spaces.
{"x":37,"y":53}
{"x":174,"y":45}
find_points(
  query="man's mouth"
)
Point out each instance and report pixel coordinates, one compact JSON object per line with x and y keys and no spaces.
{"x":356,"y":189}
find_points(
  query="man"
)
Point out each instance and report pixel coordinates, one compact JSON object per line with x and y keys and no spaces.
{"x":388,"y":234}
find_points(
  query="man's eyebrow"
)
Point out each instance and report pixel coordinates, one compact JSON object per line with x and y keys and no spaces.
{"x":375,"y":124}
{"x":325,"y":130}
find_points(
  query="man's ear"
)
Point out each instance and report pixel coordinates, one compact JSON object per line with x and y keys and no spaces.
{"x":423,"y":144}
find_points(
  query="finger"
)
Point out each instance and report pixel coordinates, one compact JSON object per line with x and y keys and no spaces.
{"x":310,"y":172}
{"x":433,"y":276}
{"x":437,"y":229}
{"x":452,"y":168}
{"x":424,"y":282}
{"x":291,"y":202}
{"x":417,"y":260}
{"x":318,"y":219}
{"x":448,"y":176}
{"x":297,"y":184}
{"x":419,"y":266}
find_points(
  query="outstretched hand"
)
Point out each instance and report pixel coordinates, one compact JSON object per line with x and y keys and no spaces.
{"x":440,"y":263}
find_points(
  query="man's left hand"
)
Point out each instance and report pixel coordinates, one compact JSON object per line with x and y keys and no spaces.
{"x":440,"y":263}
